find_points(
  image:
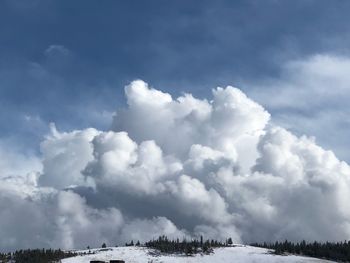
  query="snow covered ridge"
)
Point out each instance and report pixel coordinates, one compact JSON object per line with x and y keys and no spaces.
{"x":237,"y":254}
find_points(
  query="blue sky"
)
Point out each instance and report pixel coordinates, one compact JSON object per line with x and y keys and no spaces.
{"x":68,"y":61}
{"x":163,"y":163}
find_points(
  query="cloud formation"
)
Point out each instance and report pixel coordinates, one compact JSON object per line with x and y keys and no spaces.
{"x":180,"y":167}
{"x":310,"y":93}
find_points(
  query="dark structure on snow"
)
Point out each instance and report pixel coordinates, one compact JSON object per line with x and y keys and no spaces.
{"x":111,"y":261}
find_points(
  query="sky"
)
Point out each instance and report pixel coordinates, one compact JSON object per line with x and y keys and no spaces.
{"x":74,"y":122}
{"x":68,"y":63}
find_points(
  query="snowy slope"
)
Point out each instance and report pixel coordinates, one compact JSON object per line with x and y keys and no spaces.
{"x":238,"y":254}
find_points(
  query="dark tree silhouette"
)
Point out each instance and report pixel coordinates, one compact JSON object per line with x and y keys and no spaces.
{"x":35,"y":256}
{"x":188,"y":247}
{"x":339,"y":251}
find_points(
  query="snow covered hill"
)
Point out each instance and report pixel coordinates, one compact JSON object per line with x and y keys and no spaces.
{"x":237,"y":254}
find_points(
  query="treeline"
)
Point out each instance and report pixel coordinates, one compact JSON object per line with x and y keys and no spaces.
{"x":339,"y":251}
{"x":188,"y":247}
{"x":35,"y":256}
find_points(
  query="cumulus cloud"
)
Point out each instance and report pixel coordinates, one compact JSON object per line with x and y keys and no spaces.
{"x":143,"y":229}
{"x":65,"y":155}
{"x":180,"y":167}
{"x":310,"y":93}
{"x":14,"y":162}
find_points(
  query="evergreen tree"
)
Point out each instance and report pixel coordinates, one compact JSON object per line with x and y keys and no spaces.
{"x":339,"y":251}
{"x":188,"y":247}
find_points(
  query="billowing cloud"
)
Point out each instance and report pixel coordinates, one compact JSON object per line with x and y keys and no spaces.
{"x":14,"y":162}
{"x":310,"y":93}
{"x":65,"y":155}
{"x":180,"y":167}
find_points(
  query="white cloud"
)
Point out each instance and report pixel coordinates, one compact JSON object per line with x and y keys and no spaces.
{"x":179,"y":167}
{"x":145,"y":230}
{"x":33,"y":216}
{"x":310,"y":96}
{"x":57,"y":50}
{"x":121,"y":163}
{"x":13,"y":162}
{"x":65,"y":155}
